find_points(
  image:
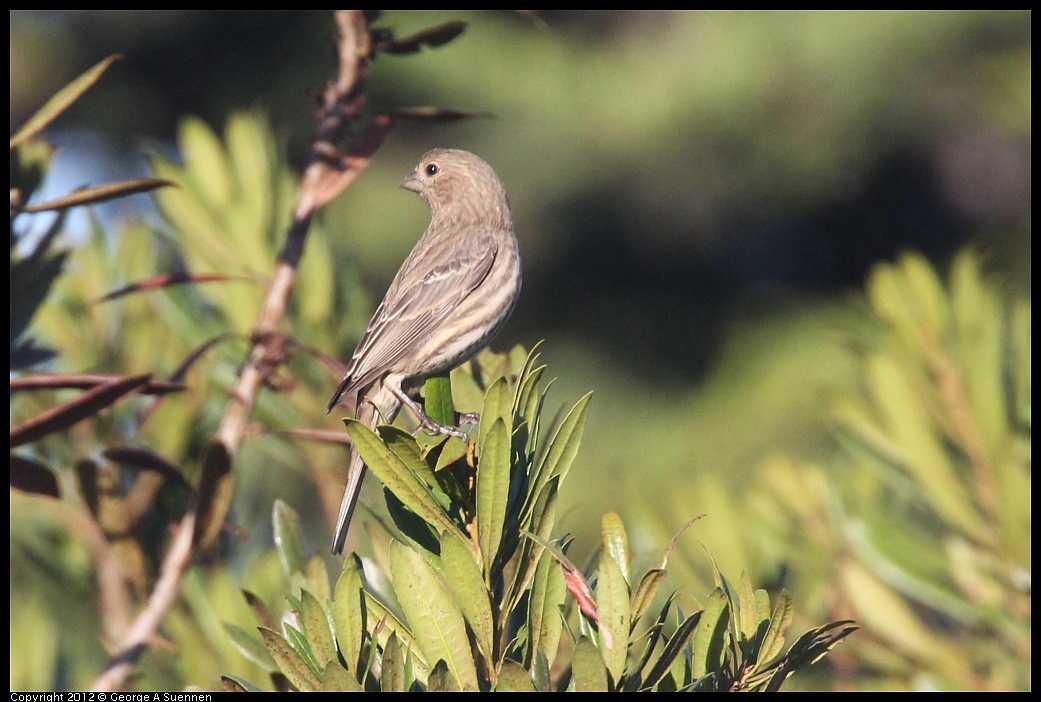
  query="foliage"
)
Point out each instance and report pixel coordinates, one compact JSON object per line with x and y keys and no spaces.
{"x":920,"y":528}
{"x":473,"y":590}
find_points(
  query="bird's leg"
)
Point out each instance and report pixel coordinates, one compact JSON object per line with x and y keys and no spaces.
{"x":469,"y":418}
{"x":427,"y":423}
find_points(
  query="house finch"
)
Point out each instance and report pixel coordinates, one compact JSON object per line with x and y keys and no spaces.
{"x":448,"y":299}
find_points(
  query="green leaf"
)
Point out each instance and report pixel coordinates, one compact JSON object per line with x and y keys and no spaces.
{"x":563,"y":447}
{"x":467,"y":584}
{"x":233,"y":683}
{"x":289,"y":541}
{"x":405,"y":448}
{"x":612,"y":607}
{"x":773,"y":640}
{"x":673,"y":648}
{"x":62,"y":100}
{"x":250,"y":646}
{"x":260,"y":610}
{"x":392,"y":673}
{"x":315,"y":624}
{"x":493,"y":490}
{"x":384,"y":624}
{"x":646,"y":591}
{"x":512,"y":677}
{"x":436,"y":619}
{"x":290,"y":662}
{"x":442,"y":680}
{"x":710,"y":636}
{"x":909,"y":421}
{"x":397,"y":476}
{"x":349,"y":613}
{"x":498,"y":404}
{"x":588,"y":673}
{"x":302,"y":646}
{"x":747,"y":621}
{"x":336,"y":679}
{"x":616,"y":542}
{"x":545,"y":604}
{"x":316,"y":579}
{"x":216,"y":489}
{"x":437,"y":400}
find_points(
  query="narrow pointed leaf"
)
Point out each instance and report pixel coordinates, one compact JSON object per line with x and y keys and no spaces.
{"x":250,"y":646}
{"x":588,"y":673}
{"x":289,"y":541}
{"x":437,"y":400}
{"x":773,"y":640}
{"x":397,"y":476}
{"x":384,"y":624}
{"x":336,"y":679}
{"x":349,"y":613}
{"x":435,"y":618}
{"x":431,"y":37}
{"x":83,"y":407}
{"x":612,"y":607}
{"x":61,"y":100}
{"x":616,"y":542}
{"x":545,"y":604}
{"x":498,"y":404}
{"x":232,"y":683}
{"x":710,"y":636}
{"x":513,"y":677}
{"x":673,"y":648}
{"x":442,"y":680}
{"x":392,"y":673}
{"x":467,"y":584}
{"x":98,"y":194}
{"x":646,"y":591}
{"x":748,"y":620}
{"x":405,"y":448}
{"x":564,"y":446}
{"x":302,"y":646}
{"x":493,"y":490}
{"x":315,"y":623}
{"x":290,"y":662}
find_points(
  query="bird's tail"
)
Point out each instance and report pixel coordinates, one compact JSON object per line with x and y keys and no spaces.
{"x":367,"y":415}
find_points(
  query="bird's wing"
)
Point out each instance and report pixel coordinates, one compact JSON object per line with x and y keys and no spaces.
{"x":416,"y":303}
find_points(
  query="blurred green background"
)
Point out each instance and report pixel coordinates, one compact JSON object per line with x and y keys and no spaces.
{"x":700,"y":198}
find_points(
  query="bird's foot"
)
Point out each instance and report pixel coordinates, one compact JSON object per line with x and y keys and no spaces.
{"x":469,"y":418}
{"x":433,"y":428}
{"x":425,"y":422}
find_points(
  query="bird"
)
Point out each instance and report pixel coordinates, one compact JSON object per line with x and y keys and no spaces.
{"x":448,"y":299}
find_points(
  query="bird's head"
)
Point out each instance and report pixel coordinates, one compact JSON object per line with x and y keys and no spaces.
{"x":458,"y":184}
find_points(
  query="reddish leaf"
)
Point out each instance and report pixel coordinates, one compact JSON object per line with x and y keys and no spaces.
{"x":431,"y":37}
{"x":579,"y":589}
{"x":99,"y":193}
{"x":168,"y":279}
{"x":86,"y":381}
{"x":30,"y":476}
{"x":83,"y":407}
{"x":146,"y":459}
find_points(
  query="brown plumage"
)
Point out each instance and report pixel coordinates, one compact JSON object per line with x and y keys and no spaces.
{"x":448,"y":299}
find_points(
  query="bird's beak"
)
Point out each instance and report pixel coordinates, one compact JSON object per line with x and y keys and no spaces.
{"x":412,"y":182}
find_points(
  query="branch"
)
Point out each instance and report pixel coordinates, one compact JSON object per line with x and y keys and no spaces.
{"x":330,"y":171}
{"x":145,"y":626}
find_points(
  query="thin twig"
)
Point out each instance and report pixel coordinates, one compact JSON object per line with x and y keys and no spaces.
{"x":147,"y":622}
{"x":329,"y":172}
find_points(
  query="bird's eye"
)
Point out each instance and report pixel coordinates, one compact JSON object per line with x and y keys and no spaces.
{"x":431,"y":169}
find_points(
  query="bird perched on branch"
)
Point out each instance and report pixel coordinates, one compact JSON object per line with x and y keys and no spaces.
{"x":449,"y":298}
